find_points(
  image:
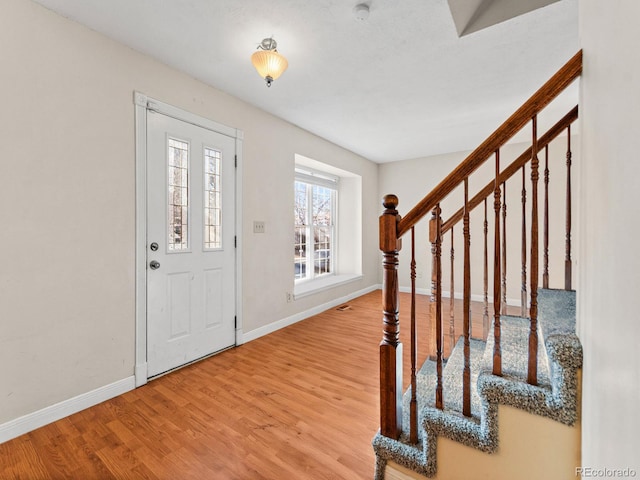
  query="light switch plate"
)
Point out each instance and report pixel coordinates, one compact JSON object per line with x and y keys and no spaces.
{"x":258,"y":226}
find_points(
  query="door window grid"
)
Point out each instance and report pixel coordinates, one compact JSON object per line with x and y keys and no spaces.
{"x":212,"y":206}
{"x":178,"y":195}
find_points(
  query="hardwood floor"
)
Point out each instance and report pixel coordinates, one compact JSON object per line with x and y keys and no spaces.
{"x":301,"y":403}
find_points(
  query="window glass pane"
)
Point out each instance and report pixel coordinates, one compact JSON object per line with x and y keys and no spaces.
{"x":322,"y":250}
{"x":300,"y":203}
{"x":322,"y":209}
{"x":178,"y":195}
{"x":321,"y":205}
{"x":212,"y":207}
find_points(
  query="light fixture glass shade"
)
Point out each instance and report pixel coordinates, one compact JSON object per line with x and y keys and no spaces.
{"x":269,"y":63}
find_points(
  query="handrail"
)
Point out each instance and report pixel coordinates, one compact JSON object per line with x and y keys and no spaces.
{"x":551,"y":89}
{"x":514,"y":167}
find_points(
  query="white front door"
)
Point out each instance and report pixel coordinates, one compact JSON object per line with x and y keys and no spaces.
{"x":190,"y":242}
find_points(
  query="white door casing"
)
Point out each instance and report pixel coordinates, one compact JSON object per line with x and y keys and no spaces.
{"x":188,"y":306}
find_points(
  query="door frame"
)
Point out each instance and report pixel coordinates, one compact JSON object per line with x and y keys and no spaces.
{"x":143,"y":104}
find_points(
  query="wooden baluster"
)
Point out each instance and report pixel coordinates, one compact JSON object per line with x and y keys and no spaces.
{"x":466,"y":375}
{"x":413,"y":404}
{"x":390,"y":347}
{"x":433,"y":328}
{"x":545,"y":270}
{"x":497,"y":350}
{"x":503,"y":311}
{"x":523,"y":287}
{"x":567,"y":258}
{"x":452,"y":324}
{"x":435,"y":236}
{"x":532,"y":375}
{"x":485,"y":314}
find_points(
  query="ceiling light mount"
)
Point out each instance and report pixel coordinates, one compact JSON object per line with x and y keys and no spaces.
{"x":268,"y":62}
{"x":268,"y":44}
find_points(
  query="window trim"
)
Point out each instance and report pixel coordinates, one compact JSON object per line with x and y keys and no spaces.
{"x":312,"y":177}
{"x":316,"y":177}
{"x":323,"y":283}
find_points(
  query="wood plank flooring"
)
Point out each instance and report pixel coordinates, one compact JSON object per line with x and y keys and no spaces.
{"x":301,"y":403}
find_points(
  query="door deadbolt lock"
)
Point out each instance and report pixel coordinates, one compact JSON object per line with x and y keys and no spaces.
{"x":154,"y":265}
{"x":154,"y":247}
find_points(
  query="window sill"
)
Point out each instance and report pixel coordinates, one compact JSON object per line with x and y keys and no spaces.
{"x":310,"y":287}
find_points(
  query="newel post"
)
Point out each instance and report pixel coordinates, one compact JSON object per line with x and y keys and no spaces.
{"x":390,"y":347}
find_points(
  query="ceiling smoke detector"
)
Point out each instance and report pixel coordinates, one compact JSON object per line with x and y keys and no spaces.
{"x":361,"y":12}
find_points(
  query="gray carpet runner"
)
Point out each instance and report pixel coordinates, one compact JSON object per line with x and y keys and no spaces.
{"x":559,"y":359}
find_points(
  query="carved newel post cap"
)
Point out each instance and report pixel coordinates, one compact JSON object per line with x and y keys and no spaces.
{"x":390,"y":201}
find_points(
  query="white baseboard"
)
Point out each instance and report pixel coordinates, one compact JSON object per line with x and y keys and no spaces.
{"x":21,"y":425}
{"x":515,"y":302}
{"x":285,"y":322}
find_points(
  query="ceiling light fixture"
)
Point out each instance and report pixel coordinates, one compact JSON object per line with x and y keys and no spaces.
{"x":268,"y":62}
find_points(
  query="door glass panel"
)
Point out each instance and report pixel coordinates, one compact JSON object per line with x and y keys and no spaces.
{"x":212,"y":206}
{"x":178,"y":195}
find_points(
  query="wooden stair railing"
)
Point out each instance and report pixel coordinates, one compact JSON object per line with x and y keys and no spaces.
{"x":515,"y":166}
{"x":393,"y":227}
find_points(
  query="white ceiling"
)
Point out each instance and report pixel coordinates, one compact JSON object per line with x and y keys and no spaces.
{"x":399,"y":85}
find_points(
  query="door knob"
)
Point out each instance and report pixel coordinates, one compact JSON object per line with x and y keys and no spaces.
{"x":154,"y":265}
{"x":153,"y":247}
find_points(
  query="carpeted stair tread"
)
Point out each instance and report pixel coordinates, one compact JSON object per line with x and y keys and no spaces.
{"x":452,"y":382}
{"x":514,"y":342}
{"x":452,"y":385}
{"x":426,"y":389}
{"x":557,"y":317}
{"x":557,"y":312}
{"x":452,"y":376}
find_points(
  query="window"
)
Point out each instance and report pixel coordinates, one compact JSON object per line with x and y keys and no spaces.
{"x":327,"y":230}
{"x":178,"y":196}
{"x":314,"y":224}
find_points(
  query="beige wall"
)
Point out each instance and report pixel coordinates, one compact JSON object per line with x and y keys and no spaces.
{"x":412,"y":179}
{"x":67,"y":298}
{"x":609,"y":326}
{"x":548,"y":451}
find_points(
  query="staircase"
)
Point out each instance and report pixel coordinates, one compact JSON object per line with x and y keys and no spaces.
{"x":506,"y":403}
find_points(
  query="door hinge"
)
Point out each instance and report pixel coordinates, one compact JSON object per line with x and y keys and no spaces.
{"x":235,"y":241}
{"x":235,"y":322}
{"x":236,"y":160}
